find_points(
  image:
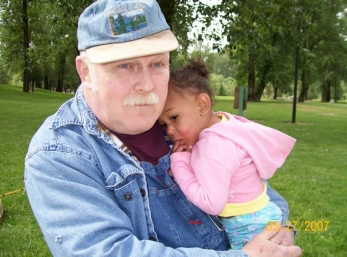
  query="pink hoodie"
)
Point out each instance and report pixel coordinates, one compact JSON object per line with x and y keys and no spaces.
{"x":228,"y":163}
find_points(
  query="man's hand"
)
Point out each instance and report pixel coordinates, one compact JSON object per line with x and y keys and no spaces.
{"x":272,"y":243}
{"x":284,"y":237}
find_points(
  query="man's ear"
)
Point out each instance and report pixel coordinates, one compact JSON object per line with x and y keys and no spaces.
{"x":204,"y":103}
{"x":82,"y":69}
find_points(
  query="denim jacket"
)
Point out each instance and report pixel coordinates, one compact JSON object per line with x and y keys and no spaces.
{"x":90,"y":198}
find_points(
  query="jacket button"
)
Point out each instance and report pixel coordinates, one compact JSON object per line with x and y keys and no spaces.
{"x":128,"y":196}
{"x":143,"y":192}
{"x":152,"y":238}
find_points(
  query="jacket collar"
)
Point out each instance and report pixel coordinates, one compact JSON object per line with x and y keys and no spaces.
{"x":77,"y":112}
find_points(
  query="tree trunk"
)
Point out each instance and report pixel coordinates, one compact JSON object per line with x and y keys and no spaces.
{"x":262,"y":82}
{"x":326,"y":92}
{"x":61,"y":68}
{"x":335,"y":89}
{"x":59,"y":85}
{"x":275,"y":92}
{"x":251,"y":77}
{"x":26,"y":47}
{"x":45,"y":82}
{"x":304,"y":86}
{"x":46,"y":78}
{"x":38,"y":84}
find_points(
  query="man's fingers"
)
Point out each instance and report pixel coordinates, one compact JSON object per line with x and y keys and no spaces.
{"x":278,"y":237}
{"x":269,"y":243}
{"x":295,"y":251}
{"x":270,"y":233}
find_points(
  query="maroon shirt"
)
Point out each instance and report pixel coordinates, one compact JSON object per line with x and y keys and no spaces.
{"x":149,"y":146}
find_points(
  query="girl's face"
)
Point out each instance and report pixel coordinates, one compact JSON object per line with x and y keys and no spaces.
{"x":182,"y":118}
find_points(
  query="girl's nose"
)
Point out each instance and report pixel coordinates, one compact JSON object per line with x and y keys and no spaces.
{"x":170,"y":130}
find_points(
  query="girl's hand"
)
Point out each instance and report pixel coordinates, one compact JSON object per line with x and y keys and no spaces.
{"x":178,"y":146}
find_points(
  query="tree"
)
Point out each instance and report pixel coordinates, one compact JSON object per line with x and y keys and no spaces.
{"x":180,"y":15}
{"x":323,"y":44}
{"x":26,"y":41}
{"x":332,"y":58}
{"x":4,"y":74}
{"x":261,"y":35}
{"x":222,"y":64}
{"x":15,"y":37}
{"x":257,"y":34}
{"x":47,"y":40}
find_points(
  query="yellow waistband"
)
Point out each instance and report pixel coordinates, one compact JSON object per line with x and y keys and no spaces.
{"x":233,"y":209}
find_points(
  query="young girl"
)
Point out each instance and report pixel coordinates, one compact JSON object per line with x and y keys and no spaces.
{"x":220,"y":160}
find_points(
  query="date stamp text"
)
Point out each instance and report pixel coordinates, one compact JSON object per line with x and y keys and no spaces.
{"x":303,"y":225}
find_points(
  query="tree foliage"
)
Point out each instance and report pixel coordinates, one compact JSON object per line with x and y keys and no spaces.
{"x":38,"y":40}
{"x":262,"y":37}
{"x":50,"y":41}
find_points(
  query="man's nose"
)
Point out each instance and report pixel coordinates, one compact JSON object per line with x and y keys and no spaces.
{"x":145,"y":81}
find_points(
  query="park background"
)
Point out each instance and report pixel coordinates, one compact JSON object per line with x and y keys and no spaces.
{"x":271,"y":47}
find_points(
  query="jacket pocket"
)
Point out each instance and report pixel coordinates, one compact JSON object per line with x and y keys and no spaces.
{"x":131,"y":199}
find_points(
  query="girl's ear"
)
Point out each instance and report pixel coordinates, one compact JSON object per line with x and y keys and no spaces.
{"x":204,"y":103}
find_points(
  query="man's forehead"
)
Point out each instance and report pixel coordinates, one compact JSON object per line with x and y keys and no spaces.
{"x":147,"y":58}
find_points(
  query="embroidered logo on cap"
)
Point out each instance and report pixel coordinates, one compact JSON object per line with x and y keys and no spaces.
{"x":126,"y":22}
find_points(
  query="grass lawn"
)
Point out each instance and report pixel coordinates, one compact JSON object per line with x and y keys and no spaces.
{"x":313,"y":179}
{"x":21,"y":115}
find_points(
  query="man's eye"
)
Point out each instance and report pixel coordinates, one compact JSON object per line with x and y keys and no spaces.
{"x":174,"y":117}
{"x":157,"y":64}
{"x":124,"y":66}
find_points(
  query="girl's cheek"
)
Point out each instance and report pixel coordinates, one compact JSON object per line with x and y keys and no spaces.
{"x":187,"y":132}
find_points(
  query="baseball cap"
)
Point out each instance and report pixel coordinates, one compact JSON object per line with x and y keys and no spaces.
{"x":111,"y":30}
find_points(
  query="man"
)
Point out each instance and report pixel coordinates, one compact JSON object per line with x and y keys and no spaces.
{"x":97,"y":172}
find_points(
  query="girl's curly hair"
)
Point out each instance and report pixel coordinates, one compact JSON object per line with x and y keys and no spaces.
{"x":192,"y":79}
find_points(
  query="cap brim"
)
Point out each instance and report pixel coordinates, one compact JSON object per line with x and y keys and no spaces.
{"x":161,"y":42}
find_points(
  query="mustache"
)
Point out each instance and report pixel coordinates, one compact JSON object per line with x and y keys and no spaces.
{"x":142,"y":99}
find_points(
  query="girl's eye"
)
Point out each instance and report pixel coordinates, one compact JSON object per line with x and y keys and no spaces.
{"x":174,"y":117}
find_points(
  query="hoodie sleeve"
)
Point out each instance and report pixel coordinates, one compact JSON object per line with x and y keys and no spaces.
{"x":204,"y":175}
